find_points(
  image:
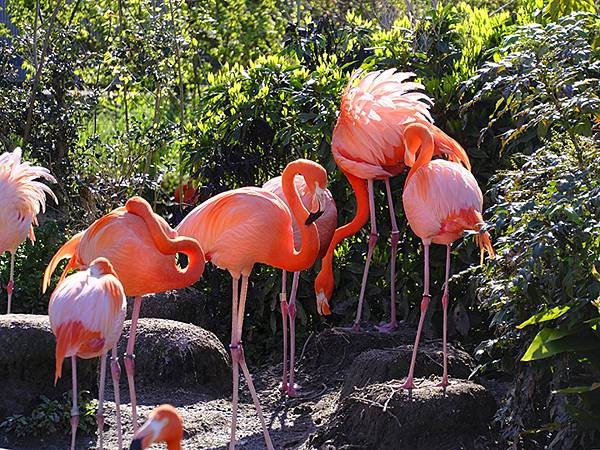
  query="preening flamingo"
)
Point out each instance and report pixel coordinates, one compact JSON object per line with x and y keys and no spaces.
{"x":245,"y":226}
{"x":86,"y":311}
{"x":142,"y":248}
{"x":325,"y":226}
{"x":163,"y":425}
{"x":441,"y":200}
{"x":21,"y":199}
{"x":368,"y":144}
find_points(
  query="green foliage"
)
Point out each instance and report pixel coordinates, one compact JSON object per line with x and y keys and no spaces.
{"x":53,"y":416}
{"x":555,"y":9}
{"x":541,"y":290}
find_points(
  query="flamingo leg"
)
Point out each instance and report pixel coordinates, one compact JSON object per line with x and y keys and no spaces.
{"x":100,"y":412}
{"x":372,"y":242}
{"x":130,"y":360}
{"x":292,"y":314}
{"x":284,"y":317}
{"x":393,"y":323}
{"x":234,"y":361}
{"x":11,"y":282}
{"x":115,"y":370}
{"x":445,"y":301}
{"x":75,"y":408}
{"x":409,"y":383}
{"x":239,"y":350}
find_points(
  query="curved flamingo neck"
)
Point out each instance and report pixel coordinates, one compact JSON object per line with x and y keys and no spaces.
{"x":174,"y":444}
{"x":325,"y":275}
{"x":293,"y":260}
{"x":170,"y":246}
{"x":419,"y":140}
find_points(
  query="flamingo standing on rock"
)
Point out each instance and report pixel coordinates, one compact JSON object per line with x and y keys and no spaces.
{"x":21,"y":200}
{"x":86,"y":312}
{"x":441,"y":201}
{"x":164,"y":425}
{"x":245,"y":226}
{"x":142,"y":248}
{"x":325,"y":227}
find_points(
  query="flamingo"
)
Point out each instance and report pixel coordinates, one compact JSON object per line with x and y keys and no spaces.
{"x":325,"y":227}
{"x":163,"y":425}
{"x":250,"y":225}
{"x":86,"y":312}
{"x":368,"y":144}
{"x":441,"y":200}
{"x":142,"y":248}
{"x":22,"y":198}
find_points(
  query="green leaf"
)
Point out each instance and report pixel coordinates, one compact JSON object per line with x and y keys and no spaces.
{"x":577,"y":389}
{"x":552,"y":341}
{"x":544,"y":316}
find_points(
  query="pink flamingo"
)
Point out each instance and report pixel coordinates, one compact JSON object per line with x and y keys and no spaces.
{"x":368,"y":144}
{"x":142,"y":248}
{"x":164,"y":425}
{"x":245,"y":226}
{"x":441,"y":201}
{"x":86,"y":312}
{"x":22,"y":198}
{"x":325,"y":226}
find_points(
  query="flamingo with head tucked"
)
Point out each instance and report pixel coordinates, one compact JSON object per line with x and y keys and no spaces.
{"x":242,"y":227}
{"x":325,"y":227}
{"x":164,"y":425}
{"x":441,"y":200}
{"x":142,"y":248}
{"x":21,"y":200}
{"x":367,"y":145}
{"x":86,"y":312}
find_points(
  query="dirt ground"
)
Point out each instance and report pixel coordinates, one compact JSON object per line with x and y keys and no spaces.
{"x":293,"y":422}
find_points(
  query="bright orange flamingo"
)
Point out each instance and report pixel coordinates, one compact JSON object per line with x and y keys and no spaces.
{"x":142,"y":248}
{"x":164,"y":425}
{"x":368,"y":144}
{"x":242,"y":227}
{"x":441,"y":201}
{"x":86,"y":312}
{"x":22,"y":198}
{"x":325,"y":226}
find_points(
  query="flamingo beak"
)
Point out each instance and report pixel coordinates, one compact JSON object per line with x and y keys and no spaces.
{"x":323,"y":304}
{"x":148,"y":434}
{"x":318,"y":200}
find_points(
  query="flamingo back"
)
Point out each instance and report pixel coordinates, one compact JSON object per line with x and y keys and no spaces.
{"x":21,"y":199}
{"x":86,"y":312}
{"x":442,"y":200}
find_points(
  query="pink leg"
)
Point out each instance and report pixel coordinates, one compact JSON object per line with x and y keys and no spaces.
{"x":115,"y":371}
{"x":284,"y":315}
{"x":235,"y":361}
{"x":74,"y":409}
{"x":292,"y":314}
{"x":393,"y":323}
{"x":409,"y":383}
{"x":130,"y":360}
{"x":11,"y":282}
{"x":100,"y":412}
{"x":372,"y":242}
{"x":445,"y":299}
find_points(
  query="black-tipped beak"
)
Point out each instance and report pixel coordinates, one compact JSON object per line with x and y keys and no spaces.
{"x":136,"y":444}
{"x":313,"y":216}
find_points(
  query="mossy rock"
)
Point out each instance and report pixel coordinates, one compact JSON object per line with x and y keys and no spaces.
{"x":27,"y":365}
{"x":381,"y":365}
{"x":176,"y":354}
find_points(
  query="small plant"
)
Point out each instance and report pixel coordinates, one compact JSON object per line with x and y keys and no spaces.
{"x":53,"y":416}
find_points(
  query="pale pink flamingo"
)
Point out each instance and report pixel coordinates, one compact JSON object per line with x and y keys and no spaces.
{"x":245,"y":226}
{"x":21,"y":199}
{"x":368,"y":143}
{"x":163,"y":425}
{"x":142,"y":248}
{"x":86,"y":311}
{"x":441,"y":200}
{"x":325,"y":226}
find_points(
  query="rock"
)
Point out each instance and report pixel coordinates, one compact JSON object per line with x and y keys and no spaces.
{"x":383,"y":416}
{"x":185,"y":305}
{"x":339,"y":347}
{"x":174,"y":354}
{"x":27,"y":365}
{"x":381,"y":365}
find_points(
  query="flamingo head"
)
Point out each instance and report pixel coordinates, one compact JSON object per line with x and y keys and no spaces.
{"x":163,"y":425}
